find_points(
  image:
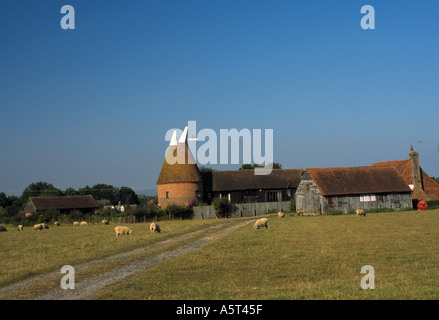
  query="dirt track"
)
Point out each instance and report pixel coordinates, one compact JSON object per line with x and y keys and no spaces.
{"x":83,"y":290}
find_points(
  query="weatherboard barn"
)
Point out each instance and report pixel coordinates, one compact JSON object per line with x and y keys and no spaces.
{"x":325,"y":190}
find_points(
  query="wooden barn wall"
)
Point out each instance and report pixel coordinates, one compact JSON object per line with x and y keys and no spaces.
{"x":309,"y":200}
{"x":348,"y":203}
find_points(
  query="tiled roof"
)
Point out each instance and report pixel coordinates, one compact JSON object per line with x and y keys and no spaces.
{"x":181,"y":169}
{"x":358,"y":180}
{"x":63,"y":203}
{"x":247,"y":180}
{"x":431,"y":188}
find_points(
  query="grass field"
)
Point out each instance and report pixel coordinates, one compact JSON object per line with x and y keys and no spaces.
{"x":30,"y":253}
{"x":297,"y":258}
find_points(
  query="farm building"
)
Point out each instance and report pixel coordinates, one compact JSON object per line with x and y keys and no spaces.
{"x":84,"y":204}
{"x":423,"y":186}
{"x":324,"y":190}
{"x":180,"y":180}
{"x":243,"y":186}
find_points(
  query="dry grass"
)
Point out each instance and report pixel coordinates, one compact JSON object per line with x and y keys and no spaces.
{"x":30,"y":253}
{"x":298,"y":258}
{"x":303,"y":258}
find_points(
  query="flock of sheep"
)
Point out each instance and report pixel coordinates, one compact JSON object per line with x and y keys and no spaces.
{"x":154,"y":227}
{"x":120,"y":230}
{"x":263,"y":222}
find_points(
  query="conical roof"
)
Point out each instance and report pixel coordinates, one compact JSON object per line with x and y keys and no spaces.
{"x":179,"y":165}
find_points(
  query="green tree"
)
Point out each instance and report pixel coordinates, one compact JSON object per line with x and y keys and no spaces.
{"x":127,"y":196}
{"x":102,"y":191}
{"x":3,"y":200}
{"x":40,"y":189}
{"x":71,"y":192}
{"x":222,"y":206}
{"x":247,"y":166}
{"x":206,"y":169}
{"x":277,"y":165}
{"x":179,"y":211}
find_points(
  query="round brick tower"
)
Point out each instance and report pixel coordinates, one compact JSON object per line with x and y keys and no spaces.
{"x":180,"y":180}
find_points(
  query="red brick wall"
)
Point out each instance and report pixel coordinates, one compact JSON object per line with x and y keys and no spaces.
{"x":179,"y":193}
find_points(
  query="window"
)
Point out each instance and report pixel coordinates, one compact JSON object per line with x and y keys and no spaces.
{"x":198,"y":194}
{"x":167,"y":194}
{"x":308,"y":188}
{"x":274,"y":196}
{"x":368,"y":198}
{"x":330,"y":200}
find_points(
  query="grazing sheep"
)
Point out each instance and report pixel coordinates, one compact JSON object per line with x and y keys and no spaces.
{"x":281,"y":214}
{"x":20,"y":227}
{"x":154,"y":227}
{"x":76,"y":224}
{"x":123,"y":231}
{"x":84,"y":223}
{"x":3,"y":229}
{"x":57,"y":223}
{"x":38,"y":226}
{"x":45,"y":226}
{"x":360,"y":212}
{"x":105,"y":222}
{"x":261,"y":223}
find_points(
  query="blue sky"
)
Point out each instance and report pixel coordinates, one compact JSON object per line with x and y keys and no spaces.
{"x":92,"y":105}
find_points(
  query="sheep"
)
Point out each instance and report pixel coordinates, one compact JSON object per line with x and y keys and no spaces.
{"x":20,"y":227}
{"x":123,"y":231}
{"x":84,"y":223}
{"x":154,"y":227}
{"x":57,"y":223}
{"x":45,"y":226}
{"x":3,"y":229}
{"x":360,"y":212}
{"x":281,"y":214}
{"x":105,"y":222}
{"x":261,"y":223}
{"x":76,"y":224}
{"x":38,"y":226}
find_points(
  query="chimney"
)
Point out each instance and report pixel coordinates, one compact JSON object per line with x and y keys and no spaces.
{"x":418,"y":192}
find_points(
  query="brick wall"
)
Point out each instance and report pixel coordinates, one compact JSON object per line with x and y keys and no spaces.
{"x":179,"y":193}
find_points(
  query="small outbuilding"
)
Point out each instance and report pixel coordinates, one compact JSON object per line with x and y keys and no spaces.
{"x":422,"y":185}
{"x":324,"y":190}
{"x":84,"y":204}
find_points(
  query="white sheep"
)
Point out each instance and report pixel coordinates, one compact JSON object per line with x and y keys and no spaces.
{"x":154,"y":227}
{"x":261,"y":223}
{"x":20,"y":227}
{"x":123,"y":231}
{"x":57,"y":223}
{"x":281,"y":214}
{"x":360,"y":212}
{"x":76,"y":224}
{"x":105,"y":222}
{"x":84,"y":224}
{"x":38,"y":226}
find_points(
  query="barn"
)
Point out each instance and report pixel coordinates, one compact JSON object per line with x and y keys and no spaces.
{"x":325,"y":190}
{"x":422,"y":185}
{"x":85,"y":204}
{"x":243,"y":186}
